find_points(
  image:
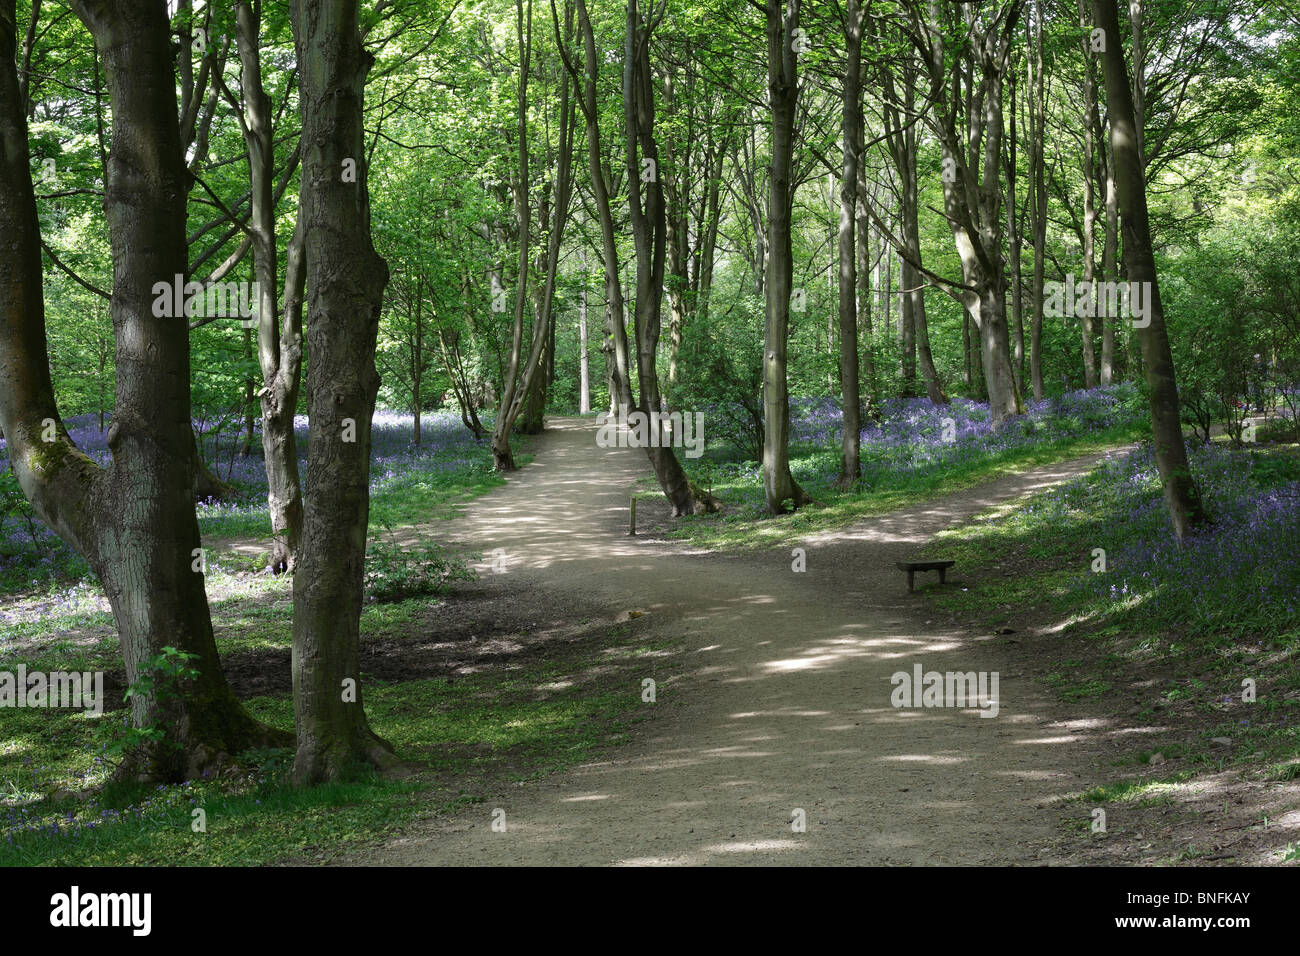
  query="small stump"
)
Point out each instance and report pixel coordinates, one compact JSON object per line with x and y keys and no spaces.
{"x":911,"y":567}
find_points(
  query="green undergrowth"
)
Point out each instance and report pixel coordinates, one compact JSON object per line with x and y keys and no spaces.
{"x":744,"y":524}
{"x":461,"y":738}
{"x":1192,"y":630}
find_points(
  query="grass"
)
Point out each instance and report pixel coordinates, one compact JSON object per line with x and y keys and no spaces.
{"x":428,"y":491}
{"x":456,"y":735}
{"x":742,"y":524}
{"x":1205,"y":618}
{"x":461,"y":736}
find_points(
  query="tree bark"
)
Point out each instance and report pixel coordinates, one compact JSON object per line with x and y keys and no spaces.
{"x":1014,"y":243}
{"x":972,"y":184}
{"x":134,"y":521}
{"x":279,"y":348}
{"x":584,"y":363}
{"x":851,"y":136}
{"x":649,"y":232}
{"x":1109,"y":270}
{"x":503,"y":458}
{"x":1089,"y":200}
{"x":1182,"y":497}
{"x":1037,"y":116}
{"x":345,"y":284}
{"x":780,"y":489}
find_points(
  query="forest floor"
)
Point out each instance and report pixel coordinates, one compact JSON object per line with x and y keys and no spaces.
{"x":776,"y":698}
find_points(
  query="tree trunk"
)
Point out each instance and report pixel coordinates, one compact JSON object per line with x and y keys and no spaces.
{"x":649,"y":231}
{"x":1037,"y":116}
{"x":865,"y":299}
{"x":903,"y":145}
{"x":279,"y":347}
{"x":1109,"y":271}
{"x":972,"y":184}
{"x":1182,"y":496}
{"x":779,"y":486}
{"x":1014,"y":240}
{"x":134,"y":522}
{"x":1089,"y":201}
{"x":850,"y":393}
{"x":584,"y":366}
{"x":502,"y":457}
{"x":530,"y":393}
{"x":345,"y":296}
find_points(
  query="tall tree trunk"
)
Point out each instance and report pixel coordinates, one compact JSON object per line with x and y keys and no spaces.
{"x":345,"y":296}
{"x":865,"y":298}
{"x":417,"y":360}
{"x":1014,"y":241}
{"x":1109,"y":271}
{"x":851,"y":136}
{"x":779,"y":486}
{"x":1037,"y":117}
{"x":134,"y":521}
{"x":903,"y":144}
{"x":1089,"y":201}
{"x":584,"y":363}
{"x":503,"y":458}
{"x":649,"y":232}
{"x":972,"y":182}
{"x":1182,"y":497}
{"x":279,"y":346}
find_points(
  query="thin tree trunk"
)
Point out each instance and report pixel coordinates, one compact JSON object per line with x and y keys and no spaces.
{"x":1014,"y":240}
{"x":649,"y":232}
{"x":620,"y":386}
{"x":1182,"y":497}
{"x":1037,"y":114}
{"x":1109,"y":271}
{"x":279,"y":346}
{"x":503,"y":458}
{"x":1089,"y":201}
{"x":779,"y":485}
{"x":851,"y":136}
{"x":584,"y":368}
{"x":865,"y":298}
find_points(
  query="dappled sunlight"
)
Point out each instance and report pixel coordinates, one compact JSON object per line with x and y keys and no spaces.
{"x":785,"y":684}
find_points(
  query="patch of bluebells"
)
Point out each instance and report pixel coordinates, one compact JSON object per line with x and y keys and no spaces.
{"x":913,"y":434}
{"x":34,"y":822}
{"x":915,"y":438}
{"x":1238,"y":570}
{"x":446,"y":447}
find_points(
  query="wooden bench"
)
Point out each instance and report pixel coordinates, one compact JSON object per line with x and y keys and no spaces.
{"x":911,"y":567}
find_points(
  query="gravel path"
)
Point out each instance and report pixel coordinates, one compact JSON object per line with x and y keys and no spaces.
{"x":785,"y":704}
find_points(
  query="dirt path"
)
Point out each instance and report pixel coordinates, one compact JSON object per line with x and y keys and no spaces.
{"x":787,"y":705}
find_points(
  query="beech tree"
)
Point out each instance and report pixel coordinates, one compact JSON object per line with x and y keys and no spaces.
{"x":1182,"y":496}
{"x":965,"y":93}
{"x":780,"y":489}
{"x":279,"y":340}
{"x":345,"y":293}
{"x":134,"y":521}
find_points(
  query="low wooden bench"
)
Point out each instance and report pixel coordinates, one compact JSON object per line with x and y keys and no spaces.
{"x":911,"y":567}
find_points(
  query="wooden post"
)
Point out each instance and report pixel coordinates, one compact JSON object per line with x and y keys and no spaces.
{"x":632,"y":517}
